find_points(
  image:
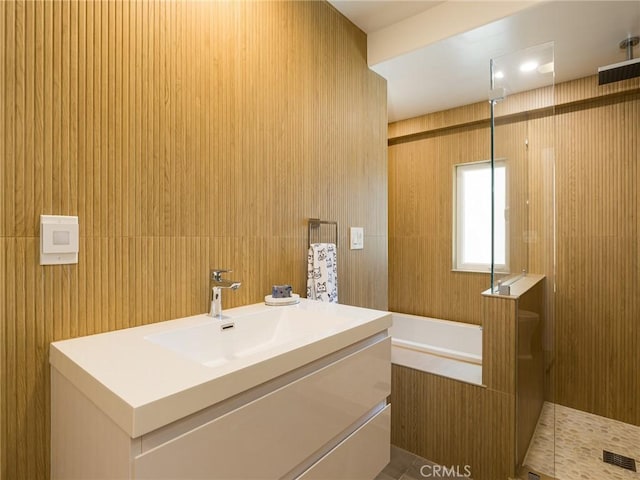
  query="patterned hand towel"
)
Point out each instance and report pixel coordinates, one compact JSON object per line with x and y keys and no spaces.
{"x":322,"y":273}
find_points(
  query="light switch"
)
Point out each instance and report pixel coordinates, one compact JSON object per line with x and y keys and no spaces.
{"x":58,"y":239}
{"x":61,"y":238}
{"x":357,"y":238}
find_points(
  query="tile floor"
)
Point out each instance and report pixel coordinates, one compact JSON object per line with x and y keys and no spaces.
{"x":580,"y":438}
{"x":575,"y":453}
{"x":407,"y":466}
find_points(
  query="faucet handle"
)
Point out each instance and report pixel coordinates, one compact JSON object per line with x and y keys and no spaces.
{"x":216,"y":274}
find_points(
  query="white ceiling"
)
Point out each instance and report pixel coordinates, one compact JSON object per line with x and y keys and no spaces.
{"x":373,"y":15}
{"x":449,"y":70}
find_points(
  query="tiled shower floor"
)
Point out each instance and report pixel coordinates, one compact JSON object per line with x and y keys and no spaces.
{"x":580,"y":438}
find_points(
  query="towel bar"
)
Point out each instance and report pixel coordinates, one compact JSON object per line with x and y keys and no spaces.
{"x":315,"y":223}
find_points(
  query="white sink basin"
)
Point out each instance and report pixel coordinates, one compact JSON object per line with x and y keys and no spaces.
{"x":149,"y":376}
{"x":220,"y":341}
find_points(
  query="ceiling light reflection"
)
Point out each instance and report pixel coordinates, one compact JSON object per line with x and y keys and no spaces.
{"x":546,"y":68}
{"x":528,"y":66}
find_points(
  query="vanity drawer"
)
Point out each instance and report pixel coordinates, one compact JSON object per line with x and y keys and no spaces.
{"x":361,"y":456}
{"x":274,"y":434}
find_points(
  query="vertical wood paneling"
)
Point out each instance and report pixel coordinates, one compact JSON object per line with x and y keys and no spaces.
{"x":3,"y":297}
{"x":56,"y":92}
{"x":9,"y":54}
{"x":509,"y":145}
{"x":3,"y":246}
{"x":597,"y":304}
{"x":470,"y":114}
{"x":19,"y":119}
{"x":541,"y":174}
{"x":420,"y":217}
{"x":40,"y":118}
{"x":29,"y":167}
{"x":587,"y":87}
{"x":20,"y":357}
{"x":449,"y":422}
{"x":10,"y":436}
{"x":585,"y":151}
{"x":539,"y":101}
{"x":474,"y":426}
{"x":86,"y":144}
{"x":531,"y":369}
{"x":185,"y":136}
{"x":420,"y":227}
{"x":499,"y":344}
{"x":4,"y":134}
{"x":103,"y":110}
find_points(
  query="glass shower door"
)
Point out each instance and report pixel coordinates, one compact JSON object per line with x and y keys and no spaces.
{"x":523,"y":241}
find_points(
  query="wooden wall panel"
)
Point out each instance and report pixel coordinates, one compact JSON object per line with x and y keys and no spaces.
{"x":8,"y":114}
{"x":541,"y":207}
{"x":510,"y":146}
{"x":597,"y":301}
{"x":185,"y":136}
{"x":470,"y":114}
{"x":531,"y":375}
{"x":523,"y":103}
{"x":499,"y":338}
{"x":587,"y":88}
{"x":420,"y":217}
{"x":420,"y":227}
{"x":474,"y":427}
{"x":3,"y":152}
{"x":585,"y":154}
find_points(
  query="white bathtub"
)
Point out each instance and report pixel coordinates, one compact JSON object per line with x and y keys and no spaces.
{"x":441,"y":347}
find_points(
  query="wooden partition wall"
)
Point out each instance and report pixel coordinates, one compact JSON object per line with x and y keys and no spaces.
{"x":185,"y":136}
{"x":591,"y":136}
{"x":453,"y":423}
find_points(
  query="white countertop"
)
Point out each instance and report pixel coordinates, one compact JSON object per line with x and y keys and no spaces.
{"x":142,"y":385}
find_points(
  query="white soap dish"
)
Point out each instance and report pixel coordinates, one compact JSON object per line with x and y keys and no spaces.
{"x":276,"y":302}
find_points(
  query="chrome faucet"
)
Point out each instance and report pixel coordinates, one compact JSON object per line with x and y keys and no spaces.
{"x":216,"y":293}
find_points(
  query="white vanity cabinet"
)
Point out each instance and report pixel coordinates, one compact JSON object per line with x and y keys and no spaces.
{"x":279,"y":433}
{"x":325,"y":419}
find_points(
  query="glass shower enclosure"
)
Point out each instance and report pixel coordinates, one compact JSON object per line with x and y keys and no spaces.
{"x":522,"y":101}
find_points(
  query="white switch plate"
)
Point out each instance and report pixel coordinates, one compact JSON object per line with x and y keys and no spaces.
{"x":357,"y":238}
{"x":58,"y":239}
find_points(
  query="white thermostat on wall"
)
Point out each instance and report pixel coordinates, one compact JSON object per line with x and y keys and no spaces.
{"x":58,"y":239}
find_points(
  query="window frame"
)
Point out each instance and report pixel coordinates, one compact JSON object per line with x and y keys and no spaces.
{"x":456,"y":244}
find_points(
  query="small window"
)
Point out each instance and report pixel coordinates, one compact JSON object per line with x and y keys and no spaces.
{"x":472,"y":225}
